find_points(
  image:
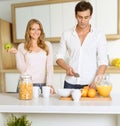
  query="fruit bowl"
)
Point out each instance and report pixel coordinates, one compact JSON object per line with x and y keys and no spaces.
{"x":64,"y":92}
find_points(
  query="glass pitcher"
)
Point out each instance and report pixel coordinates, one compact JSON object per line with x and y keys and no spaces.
{"x":103,"y":85}
{"x":25,"y":87}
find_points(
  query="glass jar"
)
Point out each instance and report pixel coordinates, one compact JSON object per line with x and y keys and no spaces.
{"x":103,"y":85}
{"x":25,"y":87}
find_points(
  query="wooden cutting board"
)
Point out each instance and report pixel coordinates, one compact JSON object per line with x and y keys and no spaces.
{"x":97,"y":98}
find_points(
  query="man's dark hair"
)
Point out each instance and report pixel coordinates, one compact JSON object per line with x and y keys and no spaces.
{"x":83,"y":6}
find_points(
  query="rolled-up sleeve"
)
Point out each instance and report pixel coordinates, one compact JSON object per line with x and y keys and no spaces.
{"x":102,"y":50}
{"x":61,"y":53}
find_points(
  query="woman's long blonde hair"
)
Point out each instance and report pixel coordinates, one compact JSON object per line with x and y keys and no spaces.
{"x":41,"y":39}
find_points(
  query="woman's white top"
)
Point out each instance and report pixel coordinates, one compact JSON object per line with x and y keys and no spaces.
{"x":37,"y":64}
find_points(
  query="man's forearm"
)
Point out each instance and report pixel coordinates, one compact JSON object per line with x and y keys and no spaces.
{"x":101,"y":70}
{"x":62,"y":64}
{"x":98,"y":77}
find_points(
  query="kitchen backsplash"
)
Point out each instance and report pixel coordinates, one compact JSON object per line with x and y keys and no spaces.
{"x":55,"y":48}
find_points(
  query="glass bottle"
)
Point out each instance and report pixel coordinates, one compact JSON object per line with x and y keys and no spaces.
{"x":25,"y":87}
{"x":104,"y":86}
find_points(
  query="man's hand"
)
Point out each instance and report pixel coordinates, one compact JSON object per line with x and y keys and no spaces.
{"x":70,"y":71}
{"x":92,"y":85}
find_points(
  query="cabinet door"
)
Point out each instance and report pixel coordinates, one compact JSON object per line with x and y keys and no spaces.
{"x":58,"y":80}
{"x":109,"y":22}
{"x":7,"y":61}
{"x":11,"y":81}
{"x":23,"y":15}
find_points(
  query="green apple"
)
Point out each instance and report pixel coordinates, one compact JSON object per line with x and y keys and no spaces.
{"x":7,"y":46}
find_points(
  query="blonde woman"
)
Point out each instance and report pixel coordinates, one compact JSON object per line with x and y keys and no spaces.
{"x":35,"y":56}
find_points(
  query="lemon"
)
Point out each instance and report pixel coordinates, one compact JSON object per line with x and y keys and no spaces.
{"x":116,"y":62}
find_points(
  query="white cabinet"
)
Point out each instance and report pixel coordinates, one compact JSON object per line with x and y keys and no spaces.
{"x":57,"y":16}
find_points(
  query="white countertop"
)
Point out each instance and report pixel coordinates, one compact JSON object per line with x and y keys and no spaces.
{"x":9,"y":103}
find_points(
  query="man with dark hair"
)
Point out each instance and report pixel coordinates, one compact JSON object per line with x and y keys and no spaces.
{"x":86,"y":47}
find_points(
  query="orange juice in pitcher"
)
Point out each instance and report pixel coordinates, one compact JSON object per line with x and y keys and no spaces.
{"x":104,"y":86}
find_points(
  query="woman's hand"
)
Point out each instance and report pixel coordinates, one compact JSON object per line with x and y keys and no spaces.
{"x":12,"y":50}
{"x":52,"y":91}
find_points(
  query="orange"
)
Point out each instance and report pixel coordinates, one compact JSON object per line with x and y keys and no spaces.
{"x":85,"y":91}
{"x":86,"y":87}
{"x":91,"y":93}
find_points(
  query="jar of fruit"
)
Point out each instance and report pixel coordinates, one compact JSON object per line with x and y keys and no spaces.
{"x":25,"y":87}
{"x":103,"y":85}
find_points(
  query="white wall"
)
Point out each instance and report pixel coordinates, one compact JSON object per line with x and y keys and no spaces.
{"x":5,"y":8}
{"x":113,"y":47}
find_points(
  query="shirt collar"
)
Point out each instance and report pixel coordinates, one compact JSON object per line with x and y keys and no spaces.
{"x":74,"y":29}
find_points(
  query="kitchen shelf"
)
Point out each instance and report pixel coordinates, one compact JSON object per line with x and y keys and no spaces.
{"x":113,"y":70}
{"x":110,"y":69}
{"x":57,"y":69}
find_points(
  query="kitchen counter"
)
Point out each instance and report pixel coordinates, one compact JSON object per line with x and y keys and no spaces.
{"x":11,"y":103}
{"x":56,"y":109}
